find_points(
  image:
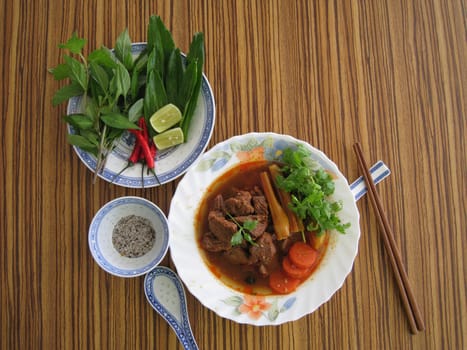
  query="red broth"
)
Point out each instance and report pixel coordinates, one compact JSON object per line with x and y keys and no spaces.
{"x":243,"y":278}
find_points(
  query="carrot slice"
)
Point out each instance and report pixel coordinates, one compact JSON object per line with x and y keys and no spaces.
{"x":293,"y":270}
{"x":281,"y":283}
{"x":302,"y":255}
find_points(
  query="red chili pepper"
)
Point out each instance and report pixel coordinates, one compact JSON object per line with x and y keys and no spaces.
{"x":144,"y":127}
{"x":144,"y":148}
{"x":135,"y":155}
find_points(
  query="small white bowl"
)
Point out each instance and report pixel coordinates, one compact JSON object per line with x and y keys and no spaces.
{"x":100,"y":237}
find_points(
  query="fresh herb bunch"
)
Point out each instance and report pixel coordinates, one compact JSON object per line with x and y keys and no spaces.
{"x":310,"y":188}
{"x":117,"y":87}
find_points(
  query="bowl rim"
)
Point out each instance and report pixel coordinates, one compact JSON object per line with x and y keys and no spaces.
{"x":93,"y":232}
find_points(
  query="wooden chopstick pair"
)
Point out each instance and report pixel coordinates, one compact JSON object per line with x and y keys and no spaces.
{"x":413,"y":312}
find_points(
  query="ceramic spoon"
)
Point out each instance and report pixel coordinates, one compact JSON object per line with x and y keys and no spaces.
{"x":165,"y":293}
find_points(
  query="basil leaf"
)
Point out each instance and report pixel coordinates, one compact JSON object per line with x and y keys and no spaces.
{"x":67,"y":92}
{"x":136,"y":110}
{"x":81,"y":142}
{"x":79,"y":121}
{"x":118,"y":121}
{"x":91,"y":135}
{"x":99,"y":75}
{"x":78,"y":72}
{"x":62,"y":71}
{"x":121,"y":82}
{"x":74,"y":44}
{"x":92,"y":110}
{"x":103,"y":57}
{"x":123,"y":49}
{"x":114,"y":134}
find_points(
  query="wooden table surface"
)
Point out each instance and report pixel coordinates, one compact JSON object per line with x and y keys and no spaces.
{"x":390,"y":74}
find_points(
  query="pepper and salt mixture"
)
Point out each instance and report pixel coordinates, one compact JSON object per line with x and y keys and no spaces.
{"x":133,"y":236}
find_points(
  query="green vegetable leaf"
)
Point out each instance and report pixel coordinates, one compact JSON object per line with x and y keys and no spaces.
{"x":167,"y":42}
{"x":141,"y":62}
{"x":118,"y":121}
{"x":237,"y":238}
{"x":103,"y":57}
{"x":136,"y":110}
{"x":155,"y":96}
{"x":78,"y":72}
{"x":120,"y":82}
{"x":250,"y":225}
{"x":187,"y":87}
{"x":243,"y":232}
{"x":80,"y":121}
{"x":196,"y":54}
{"x":66,"y":92}
{"x":155,"y":62}
{"x":82,"y":142}
{"x":174,"y":77}
{"x":99,"y":75}
{"x":61,"y":71}
{"x":123,"y":49}
{"x":74,"y":44}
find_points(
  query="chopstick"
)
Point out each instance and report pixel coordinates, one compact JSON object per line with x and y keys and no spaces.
{"x":411,"y":307}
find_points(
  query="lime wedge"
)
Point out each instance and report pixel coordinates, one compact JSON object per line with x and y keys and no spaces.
{"x":169,"y":138}
{"x":165,"y":117}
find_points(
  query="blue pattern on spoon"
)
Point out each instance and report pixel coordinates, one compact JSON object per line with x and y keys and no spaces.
{"x":164,"y":291}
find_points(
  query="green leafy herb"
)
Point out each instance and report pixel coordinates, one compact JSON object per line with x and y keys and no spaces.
{"x":310,"y":188}
{"x":117,"y":87}
{"x":243,"y":232}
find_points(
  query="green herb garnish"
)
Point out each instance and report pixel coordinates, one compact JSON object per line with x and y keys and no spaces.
{"x":243,"y":232}
{"x":310,"y":188}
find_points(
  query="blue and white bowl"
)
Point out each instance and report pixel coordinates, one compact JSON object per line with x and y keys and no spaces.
{"x":100,"y":237}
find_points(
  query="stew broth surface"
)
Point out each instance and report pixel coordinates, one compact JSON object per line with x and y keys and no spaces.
{"x":243,"y":278}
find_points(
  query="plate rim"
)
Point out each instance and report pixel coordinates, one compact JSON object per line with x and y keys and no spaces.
{"x":149,"y":181}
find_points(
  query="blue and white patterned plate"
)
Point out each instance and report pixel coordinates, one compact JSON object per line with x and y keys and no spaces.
{"x":170,"y":163}
{"x":100,"y":236}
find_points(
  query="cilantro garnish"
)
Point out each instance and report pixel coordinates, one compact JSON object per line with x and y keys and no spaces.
{"x":310,"y":188}
{"x":243,"y":232}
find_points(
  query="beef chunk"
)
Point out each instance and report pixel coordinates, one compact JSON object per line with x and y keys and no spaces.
{"x":264,"y":250}
{"x":239,"y":204}
{"x":237,"y":256}
{"x":222,"y":228}
{"x":218,"y":203}
{"x":212,"y":244}
{"x":260,"y":227}
{"x":261,"y":205}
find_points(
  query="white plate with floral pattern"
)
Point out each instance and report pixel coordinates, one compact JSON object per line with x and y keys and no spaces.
{"x":206,"y":287}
